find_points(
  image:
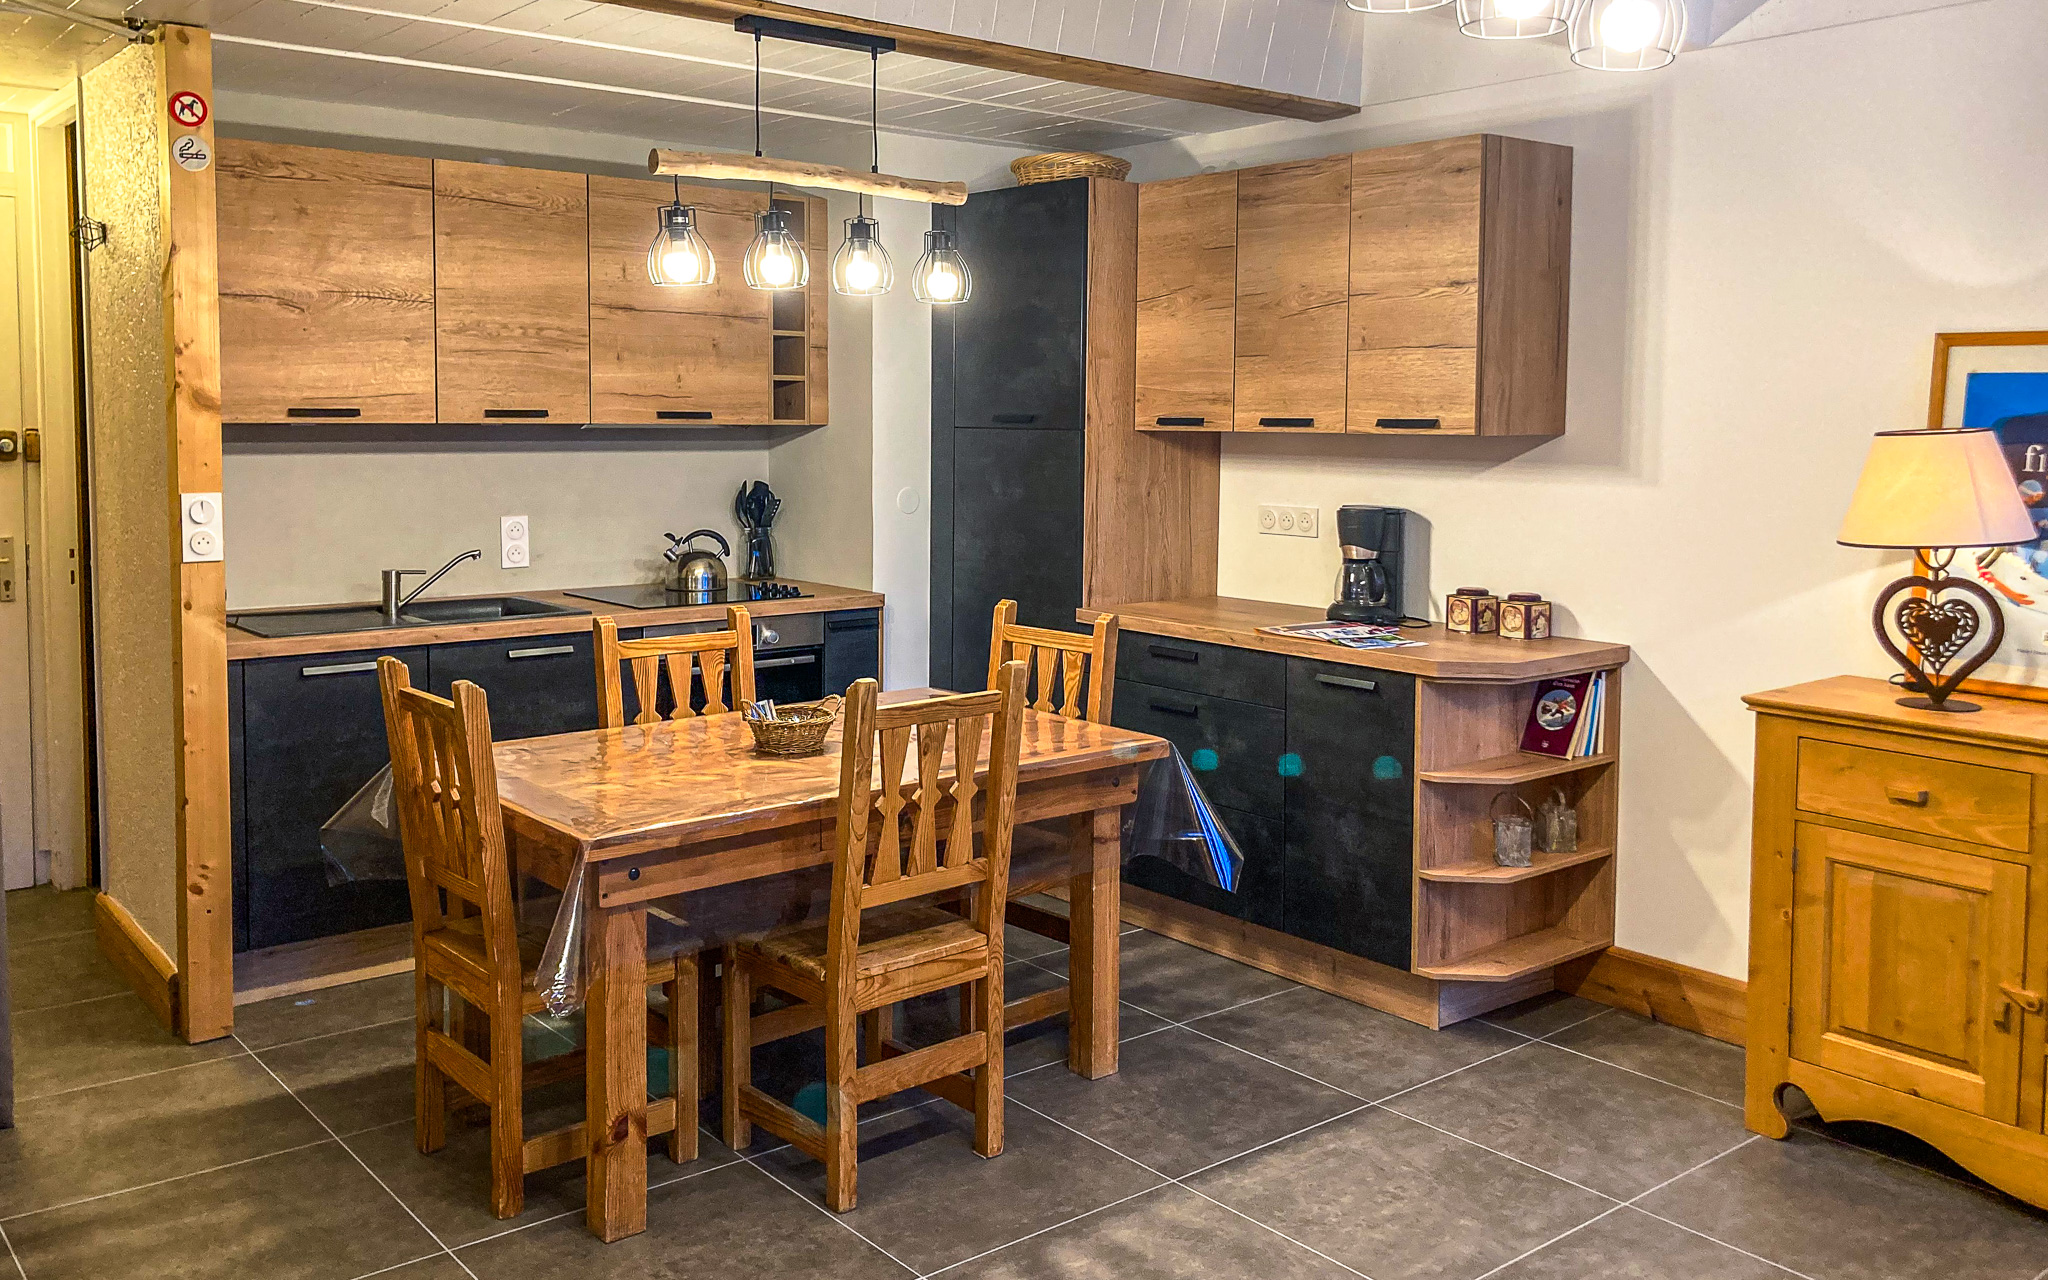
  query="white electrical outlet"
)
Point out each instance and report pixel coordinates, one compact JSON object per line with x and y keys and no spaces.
{"x":515,"y":542}
{"x":200,"y":529}
{"x":1288,"y":521}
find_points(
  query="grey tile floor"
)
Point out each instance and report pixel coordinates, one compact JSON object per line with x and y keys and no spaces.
{"x":1256,"y":1129}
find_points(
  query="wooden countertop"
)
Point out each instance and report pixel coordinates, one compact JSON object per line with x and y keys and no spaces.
{"x":1860,"y":700}
{"x":1444,"y":655}
{"x":824,"y":598}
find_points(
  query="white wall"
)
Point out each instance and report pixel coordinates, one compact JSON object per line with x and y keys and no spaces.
{"x":1766,"y":238}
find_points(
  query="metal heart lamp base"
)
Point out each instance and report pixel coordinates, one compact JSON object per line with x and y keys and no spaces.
{"x":1941,"y":620}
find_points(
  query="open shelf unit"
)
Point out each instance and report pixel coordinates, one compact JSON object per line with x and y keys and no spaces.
{"x":1476,"y":921}
{"x":797,"y":320}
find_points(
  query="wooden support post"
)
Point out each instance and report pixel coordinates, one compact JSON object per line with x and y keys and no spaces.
{"x":1095,"y":902}
{"x":615,"y":1083}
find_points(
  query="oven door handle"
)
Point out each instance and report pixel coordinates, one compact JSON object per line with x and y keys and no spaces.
{"x":791,"y":660}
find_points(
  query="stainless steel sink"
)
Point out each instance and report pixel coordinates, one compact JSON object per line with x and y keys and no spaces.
{"x":327,"y":619}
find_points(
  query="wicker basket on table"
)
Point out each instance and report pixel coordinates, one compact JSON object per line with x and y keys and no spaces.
{"x":1055,"y":165}
{"x":797,"y":730}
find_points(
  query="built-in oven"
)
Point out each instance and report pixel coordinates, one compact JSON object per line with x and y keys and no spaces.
{"x":789,"y":654}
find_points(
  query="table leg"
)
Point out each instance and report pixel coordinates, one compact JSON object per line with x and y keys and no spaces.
{"x":1095,"y":903}
{"x":615,"y":1074}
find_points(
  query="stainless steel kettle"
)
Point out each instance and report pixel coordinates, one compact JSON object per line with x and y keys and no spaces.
{"x":698,"y":576}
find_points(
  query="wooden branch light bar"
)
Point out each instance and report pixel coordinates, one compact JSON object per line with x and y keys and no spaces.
{"x":664,"y":163}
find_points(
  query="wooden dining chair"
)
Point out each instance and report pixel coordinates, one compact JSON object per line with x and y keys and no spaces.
{"x":469,"y":955}
{"x":1074,"y":675}
{"x":710,"y":653}
{"x":907,"y":835}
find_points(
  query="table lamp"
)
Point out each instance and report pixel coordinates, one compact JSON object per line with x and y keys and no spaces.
{"x":1936,"y":493}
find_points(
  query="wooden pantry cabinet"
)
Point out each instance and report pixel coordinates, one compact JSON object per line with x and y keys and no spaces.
{"x":1899,"y":893}
{"x":326,"y":284}
{"x":1413,"y":290}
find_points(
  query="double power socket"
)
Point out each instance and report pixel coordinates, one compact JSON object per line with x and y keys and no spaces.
{"x":1288,"y":522}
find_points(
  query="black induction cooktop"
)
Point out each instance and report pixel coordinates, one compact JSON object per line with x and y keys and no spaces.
{"x":652,"y":595}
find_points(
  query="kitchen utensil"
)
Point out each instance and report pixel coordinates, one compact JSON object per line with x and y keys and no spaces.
{"x":698,"y":576}
{"x":796,"y":730}
{"x":739,"y":508}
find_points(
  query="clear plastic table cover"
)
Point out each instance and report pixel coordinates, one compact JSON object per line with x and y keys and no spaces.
{"x":1172,"y":821}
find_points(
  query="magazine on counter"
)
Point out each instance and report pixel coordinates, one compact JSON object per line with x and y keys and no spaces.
{"x":1352,"y":635}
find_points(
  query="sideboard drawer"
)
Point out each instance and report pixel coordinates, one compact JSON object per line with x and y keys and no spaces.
{"x":1917,"y":793}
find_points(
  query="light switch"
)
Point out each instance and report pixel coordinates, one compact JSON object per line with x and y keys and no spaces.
{"x":201,"y":534}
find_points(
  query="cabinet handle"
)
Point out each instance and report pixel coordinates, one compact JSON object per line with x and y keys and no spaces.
{"x":683,"y":415}
{"x":1180,"y":422}
{"x":1287,"y":422}
{"x":1015,"y":419}
{"x":1172,"y":654}
{"x":1178,"y":709}
{"x":1906,"y":795}
{"x":793,"y":660}
{"x":315,"y":412}
{"x":547,"y":651}
{"x":1350,"y":682}
{"x":515,"y":413}
{"x":340,"y":669}
{"x":1409,"y":424}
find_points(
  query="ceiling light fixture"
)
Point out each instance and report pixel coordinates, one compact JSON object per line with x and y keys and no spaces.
{"x":941,"y":277}
{"x":776,"y":259}
{"x":861,"y":268}
{"x":1627,"y":35}
{"x":1514,"y":19}
{"x":678,"y":255}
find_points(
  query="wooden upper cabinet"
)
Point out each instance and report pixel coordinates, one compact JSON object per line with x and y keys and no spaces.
{"x":1187,"y":303}
{"x":513,"y":293}
{"x":1293,"y":237}
{"x":701,"y":354}
{"x":326,"y":284}
{"x":1460,"y":274}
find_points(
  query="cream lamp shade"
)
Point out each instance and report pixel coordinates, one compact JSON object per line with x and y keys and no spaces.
{"x":1936,"y":489}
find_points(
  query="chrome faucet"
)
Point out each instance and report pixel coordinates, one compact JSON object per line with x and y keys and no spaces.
{"x":394,"y":582}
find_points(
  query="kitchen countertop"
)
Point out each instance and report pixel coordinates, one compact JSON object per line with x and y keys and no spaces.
{"x":1444,"y":655}
{"x":824,"y":598}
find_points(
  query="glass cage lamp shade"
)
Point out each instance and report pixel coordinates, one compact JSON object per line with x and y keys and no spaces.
{"x":1514,"y":19}
{"x":776,"y":259}
{"x":942,"y":277}
{"x":1627,"y":35}
{"x":678,"y":255}
{"x":861,"y":268}
{"x":1394,"y":6}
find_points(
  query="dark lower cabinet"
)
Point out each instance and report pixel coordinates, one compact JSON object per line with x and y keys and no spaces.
{"x":853,"y":649}
{"x":1233,"y":747}
{"x":1260,"y":892}
{"x":312,"y":735}
{"x":1016,"y":507}
{"x":1350,"y":808}
{"x":238,"y":808}
{"x":537,"y":685}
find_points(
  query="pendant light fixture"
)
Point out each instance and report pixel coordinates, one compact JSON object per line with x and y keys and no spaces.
{"x":1513,"y":19}
{"x":942,"y":277}
{"x":861,"y":268}
{"x":1394,"y":6}
{"x":776,"y":259}
{"x":678,"y":255}
{"x":1627,"y":35}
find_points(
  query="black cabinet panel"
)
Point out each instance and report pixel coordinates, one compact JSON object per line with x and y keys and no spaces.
{"x":1350,"y":808}
{"x":537,"y":685}
{"x":238,"y":816}
{"x":1016,"y":536}
{"x":1017,"y":340}
{"x":1234,"y":748}
{"x":1219,"y":670}
{"x":313,"y":734}
{"x":1258,"y":897}
{"x":853,"y":648}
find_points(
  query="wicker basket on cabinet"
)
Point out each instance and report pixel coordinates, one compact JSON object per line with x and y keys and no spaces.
{"x":1055,"y":165}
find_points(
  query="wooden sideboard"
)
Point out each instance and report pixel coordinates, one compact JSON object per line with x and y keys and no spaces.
{"x":1414,"y":290}
{"x":399,"y":289}
{"x":1899,"y":921}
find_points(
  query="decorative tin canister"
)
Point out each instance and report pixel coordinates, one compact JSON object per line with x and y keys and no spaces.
{"x":1524,"y":615}
{"x":1472,"y":609}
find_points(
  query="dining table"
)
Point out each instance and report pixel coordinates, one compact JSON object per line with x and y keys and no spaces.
{"x":634,"y":815}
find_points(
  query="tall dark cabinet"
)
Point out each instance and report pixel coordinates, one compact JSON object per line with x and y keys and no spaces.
{"x":1043,"y":490}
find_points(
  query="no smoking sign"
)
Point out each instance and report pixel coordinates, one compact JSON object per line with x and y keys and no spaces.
{"x":188,"y":108}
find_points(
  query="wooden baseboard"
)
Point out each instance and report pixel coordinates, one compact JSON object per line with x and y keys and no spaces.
{"x":1679,"y":994}
{"x":146,"y":965}
{"x":314,"y":965}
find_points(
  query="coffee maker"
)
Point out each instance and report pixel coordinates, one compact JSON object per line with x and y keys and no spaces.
{"x":1369,"y":584}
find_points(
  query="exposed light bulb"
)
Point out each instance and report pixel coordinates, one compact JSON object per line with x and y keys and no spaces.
{"x":680,"y":265}
{"x":1628,"y":26}
{"x":862,"y":274}
{"x":942,"y":282}
{"x":777,"y":267}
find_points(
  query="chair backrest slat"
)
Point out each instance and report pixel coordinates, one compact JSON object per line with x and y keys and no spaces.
{"x":925,"y":841}
{"x":714,"y":654}
{"x":1060,"y":665}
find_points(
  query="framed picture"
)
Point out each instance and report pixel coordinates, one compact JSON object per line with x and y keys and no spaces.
{"x":2000,"y":381}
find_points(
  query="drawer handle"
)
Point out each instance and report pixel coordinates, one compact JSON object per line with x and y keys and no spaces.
{"x":683,"y":415}
{"x":1178,"y":708}
{"x":1408,"y":424}
{"x":316,"y":412}
{"x":1015,"y":419}
{"x":1287,"y":422}
{"x":515,"y":413}
{"x":340,"y":669}
{"x":1906,"y":795}
{"x":548,"y":651}
{"x":1350,"y":682}
{"x":792,"y":660}
{"x":1180,"y":422}
{"x":1172,"y":654}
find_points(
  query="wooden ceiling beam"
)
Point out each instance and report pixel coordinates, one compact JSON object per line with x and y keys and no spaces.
{"x":734,"y":166}
{"x":947,"y":47}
